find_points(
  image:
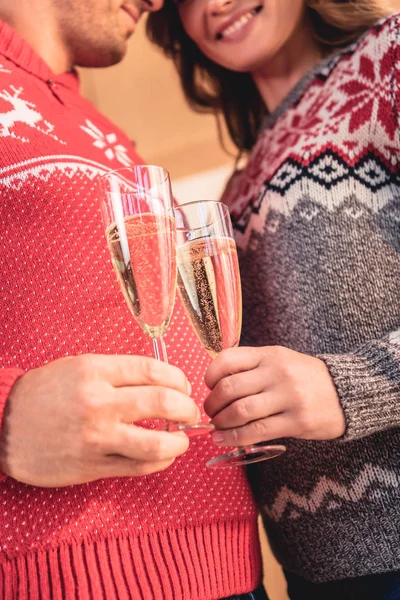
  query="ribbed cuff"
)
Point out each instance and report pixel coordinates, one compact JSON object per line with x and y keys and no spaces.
{"x":7,"y":379}
{"x":204,"y":562}
{"x":368,"y":385}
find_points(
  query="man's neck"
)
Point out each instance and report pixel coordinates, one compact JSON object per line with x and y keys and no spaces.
{"x":275,"y":80}
{"x":41,"y":34}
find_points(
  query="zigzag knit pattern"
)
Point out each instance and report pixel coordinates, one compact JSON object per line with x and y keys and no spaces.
{"x":317,"y":219}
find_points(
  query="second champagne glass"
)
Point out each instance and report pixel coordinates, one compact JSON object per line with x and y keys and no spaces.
{"x":209,"y":286}
{"x":137,"y":209}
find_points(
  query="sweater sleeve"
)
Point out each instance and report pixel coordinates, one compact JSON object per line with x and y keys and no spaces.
{"x":390,"y":66}
{"x":7,"y":379}
{"x":368,"y":384}
{"x":368,"y":379}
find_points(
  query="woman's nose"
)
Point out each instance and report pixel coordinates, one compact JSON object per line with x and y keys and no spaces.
{"x":219,"y":7}
{"x":153,"y":5}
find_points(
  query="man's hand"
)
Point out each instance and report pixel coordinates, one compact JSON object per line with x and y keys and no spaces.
{"x":260,"y":394}
{"x":70,"y":421}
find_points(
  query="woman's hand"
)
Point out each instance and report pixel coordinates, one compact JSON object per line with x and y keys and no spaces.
{"x":260,"y":394}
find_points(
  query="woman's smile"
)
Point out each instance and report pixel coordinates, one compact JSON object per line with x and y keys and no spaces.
{"x":246,"y":35}
{"x":236,"y":27}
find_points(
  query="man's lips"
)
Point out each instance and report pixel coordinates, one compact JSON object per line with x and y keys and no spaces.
{"x":132,"y":12}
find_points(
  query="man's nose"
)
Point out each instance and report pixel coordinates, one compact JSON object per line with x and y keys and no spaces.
{"x":219,"y":7}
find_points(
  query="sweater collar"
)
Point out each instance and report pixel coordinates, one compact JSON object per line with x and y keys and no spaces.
{"x":323,"y":69}
{"x":16,"y":49}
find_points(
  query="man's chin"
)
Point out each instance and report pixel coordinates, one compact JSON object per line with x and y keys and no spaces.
{"x":102,"y":58}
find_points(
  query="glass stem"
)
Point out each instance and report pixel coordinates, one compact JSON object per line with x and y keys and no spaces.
{"x":160,"y":350}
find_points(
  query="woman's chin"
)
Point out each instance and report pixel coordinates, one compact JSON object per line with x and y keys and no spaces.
{"x":240,"y":65}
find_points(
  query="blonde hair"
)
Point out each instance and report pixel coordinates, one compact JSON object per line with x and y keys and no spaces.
{"x":209,"y":87}
{"x":338,"y":22}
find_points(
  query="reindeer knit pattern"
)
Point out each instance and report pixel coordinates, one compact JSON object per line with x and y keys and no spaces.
{"x":317,"y":221}
{"x":187,"y":533}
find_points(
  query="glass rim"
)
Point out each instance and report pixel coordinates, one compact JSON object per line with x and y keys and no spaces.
{"x":178,"y":227}
{"x":132,"y":168}
{"x":180,"y":206}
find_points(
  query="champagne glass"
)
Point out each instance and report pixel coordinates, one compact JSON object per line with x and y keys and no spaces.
{"x":137,"y":210}
{"x":209,"y":286}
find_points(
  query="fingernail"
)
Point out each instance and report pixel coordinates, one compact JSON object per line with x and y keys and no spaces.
{"x":217,"y":437}
{"x":189,"y":388}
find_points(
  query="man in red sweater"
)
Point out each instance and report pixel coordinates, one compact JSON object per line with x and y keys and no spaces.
{"x":89,"y":508}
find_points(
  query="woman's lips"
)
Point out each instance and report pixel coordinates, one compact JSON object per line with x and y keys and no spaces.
{"x":235,"y":26}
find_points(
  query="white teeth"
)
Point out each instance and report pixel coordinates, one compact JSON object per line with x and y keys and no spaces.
{"x":238,"y":24}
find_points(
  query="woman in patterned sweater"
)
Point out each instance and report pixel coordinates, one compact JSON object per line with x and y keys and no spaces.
{"x":310,"y":92}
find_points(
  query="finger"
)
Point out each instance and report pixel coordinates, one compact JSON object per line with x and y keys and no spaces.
{"x":153,"y":402}
{"x":252,"y":408}
{"x":231,"y":361}
{"x":149,"y":445}
{"x":234,"y":387}
{"x":275,"y":427}
{"x":126,"y":370}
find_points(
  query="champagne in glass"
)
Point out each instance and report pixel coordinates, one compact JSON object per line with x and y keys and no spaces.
{"x":137,"y":210}
{"x":146,"y":280}
{"x":209,"y":286}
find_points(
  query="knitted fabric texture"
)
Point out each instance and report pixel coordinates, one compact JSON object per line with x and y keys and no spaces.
{"x":317,"y":221}
{"x":185,"y":533}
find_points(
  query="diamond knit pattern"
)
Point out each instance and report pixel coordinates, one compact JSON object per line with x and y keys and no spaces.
{"x":317,"y":220}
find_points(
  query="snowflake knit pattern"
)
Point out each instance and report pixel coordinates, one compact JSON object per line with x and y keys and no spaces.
{"x":317,"y":221}
{"x":187,"y":533}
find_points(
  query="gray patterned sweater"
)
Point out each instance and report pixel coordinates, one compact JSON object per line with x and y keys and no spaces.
{"x":317,"y":219}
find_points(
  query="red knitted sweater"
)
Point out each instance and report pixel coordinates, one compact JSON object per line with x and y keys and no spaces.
{"x":186,"y":533}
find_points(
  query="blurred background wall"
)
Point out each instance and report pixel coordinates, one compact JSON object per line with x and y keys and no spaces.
{"x":142,"y":96}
